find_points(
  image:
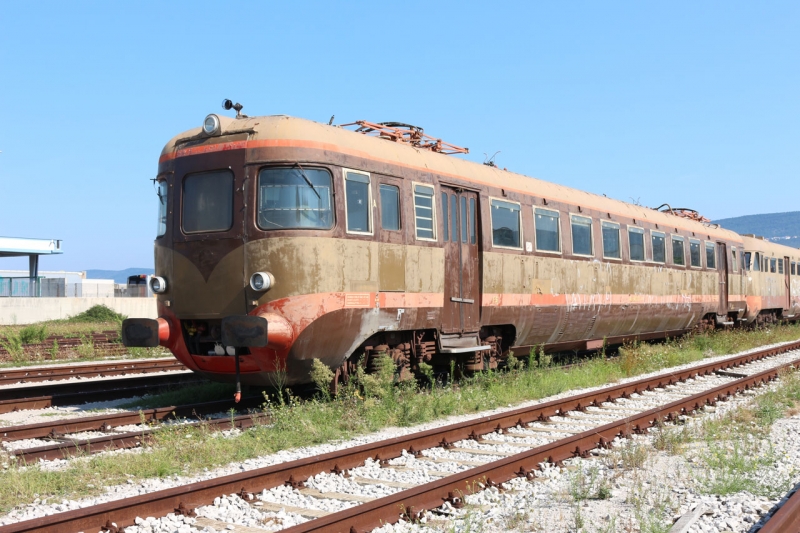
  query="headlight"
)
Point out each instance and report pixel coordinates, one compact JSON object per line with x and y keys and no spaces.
{"x":261,"y":281}
{"x":158,"y":284}
{"x":211,"y":125}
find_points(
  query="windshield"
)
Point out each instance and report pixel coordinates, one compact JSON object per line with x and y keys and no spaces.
{"x":294,"y":198}
{"x":162,"y":207}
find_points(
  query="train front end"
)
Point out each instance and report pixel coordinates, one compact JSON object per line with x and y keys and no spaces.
{"x":219,"y":304}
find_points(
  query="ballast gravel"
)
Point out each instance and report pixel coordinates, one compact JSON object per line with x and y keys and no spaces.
{"x":544,"y":504}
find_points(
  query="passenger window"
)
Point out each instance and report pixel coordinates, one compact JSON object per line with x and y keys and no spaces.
{"x":780,"y":266}
{"x":793,"y":268}
{"x":659,"y":247}
{"x":695,"y":259}
{"x":472,"y":222}
{"x":357,"y":202}
{"x":678,"y":251}
{"x":505,"y":224}
{"x":772,"y":266}
{"x":636,"y":243}
{"x":581,"y":235}
{"x":735,"y":264}
{"x":445,"y":217}
{"x":548,"y":235}
{"x":390,"y":207}
{"x":747,"y":258}
{"x":757,"y":263}
{"x":208,"y":202}
{"x":711,"y":255}
{"x":424,"y":212}
{"x":611,"y":247}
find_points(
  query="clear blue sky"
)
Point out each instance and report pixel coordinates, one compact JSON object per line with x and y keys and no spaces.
{"x":692,"y":103}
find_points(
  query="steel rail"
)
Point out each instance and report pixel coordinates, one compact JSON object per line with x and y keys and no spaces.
{"x":77,"y":392}
{"x":61,"y":372}
{"x":785,"y":519}
{"x":58,"y":428}
{"x":131,"y":439}
{"x":123,"y":512}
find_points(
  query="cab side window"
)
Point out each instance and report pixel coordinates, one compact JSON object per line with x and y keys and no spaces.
{"x":357,"y":202}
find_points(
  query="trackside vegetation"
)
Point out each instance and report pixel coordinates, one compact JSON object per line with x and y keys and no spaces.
{"x":39,"y":343}
{"x":368,"y":403}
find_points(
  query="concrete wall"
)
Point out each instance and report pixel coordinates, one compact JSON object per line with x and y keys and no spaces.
{"x":30,"y":310}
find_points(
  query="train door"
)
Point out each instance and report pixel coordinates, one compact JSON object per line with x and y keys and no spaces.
{"x":722,"y":267}
{"x":208,"y":236}
{"x":788,"y":277}
{"x":461,"y":312}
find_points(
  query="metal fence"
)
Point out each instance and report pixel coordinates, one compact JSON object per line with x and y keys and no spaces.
{"x":59,"y":288}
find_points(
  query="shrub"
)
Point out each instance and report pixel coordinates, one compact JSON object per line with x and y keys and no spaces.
{"x":33,"y":334}
{"x":98,"y":313}
{"x":322,"y":376}
{"x":12,"y":344}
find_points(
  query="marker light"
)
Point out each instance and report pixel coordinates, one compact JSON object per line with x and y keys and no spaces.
{"x":158,"y":284}
{"x":260,"y":281}
{"x":211,"y":125}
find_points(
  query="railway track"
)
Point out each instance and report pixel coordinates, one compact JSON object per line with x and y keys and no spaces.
{"x":85,"y":391}
{"x":105,"y":341}
{"x":115,"y":368}
{"x":460,"y":458}
{"x":787,"y":518}
{"x":64,"y":443}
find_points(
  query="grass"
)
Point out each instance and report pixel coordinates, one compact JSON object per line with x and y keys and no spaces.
{"x":731,"y":450}
{"x":367,"y":404}
{"x":586,"y":485}
{"x":16,"y":339}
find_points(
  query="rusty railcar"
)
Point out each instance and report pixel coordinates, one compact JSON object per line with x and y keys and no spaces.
{"x":772,"y":280}
{"x":282,"y":240}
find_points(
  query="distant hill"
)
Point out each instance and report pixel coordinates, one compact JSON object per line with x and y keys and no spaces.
{"x":783,"y":228}
{"x":119,"y":276}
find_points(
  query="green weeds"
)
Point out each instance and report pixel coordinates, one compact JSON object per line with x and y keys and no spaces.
{"x":585,"y":485}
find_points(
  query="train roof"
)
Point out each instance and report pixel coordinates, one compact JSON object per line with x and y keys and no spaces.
{"x":265,"y":130}
{"x":760,"y":244}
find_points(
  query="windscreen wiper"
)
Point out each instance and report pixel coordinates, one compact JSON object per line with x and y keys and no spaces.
{"x":302,"y":172}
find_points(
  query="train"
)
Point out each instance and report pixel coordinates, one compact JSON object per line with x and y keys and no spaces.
{"x":282,"y":240}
